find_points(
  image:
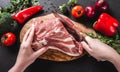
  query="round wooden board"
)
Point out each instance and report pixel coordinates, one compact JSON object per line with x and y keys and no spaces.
{"x":55,"y":55}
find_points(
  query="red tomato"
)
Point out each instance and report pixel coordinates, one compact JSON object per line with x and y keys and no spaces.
{"x":78,"y":11}
{"x":8,"y":39}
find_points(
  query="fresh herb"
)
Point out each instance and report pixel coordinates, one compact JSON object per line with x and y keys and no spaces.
{"x":70,"y":3}
{"x":0,"y":9}
{"x":6,"y":22}
{"x":17,"y":5}
{"x":112,"y":41}
{"x":63,"y":8}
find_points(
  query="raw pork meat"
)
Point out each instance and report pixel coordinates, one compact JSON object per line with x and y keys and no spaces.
{"x":52,"y":34}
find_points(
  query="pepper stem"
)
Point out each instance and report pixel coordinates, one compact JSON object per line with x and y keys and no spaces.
{"x":94,"y":23}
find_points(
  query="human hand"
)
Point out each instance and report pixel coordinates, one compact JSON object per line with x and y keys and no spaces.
{"x":26,"y":54}
{"x":98,"y":50}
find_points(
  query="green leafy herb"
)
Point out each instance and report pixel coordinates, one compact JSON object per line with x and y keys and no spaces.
{"x":0,"y":9}
{"x":70,"y":3}
{"x":18,"y":5}
{"x":112,"y":41}
{"x":5,"y":22}
{"x":63,"y":8}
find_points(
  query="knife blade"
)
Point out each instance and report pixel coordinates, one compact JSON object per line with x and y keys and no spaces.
{"x":76,"y":34}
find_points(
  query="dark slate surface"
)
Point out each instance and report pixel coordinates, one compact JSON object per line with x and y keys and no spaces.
{"x":83,"y":64}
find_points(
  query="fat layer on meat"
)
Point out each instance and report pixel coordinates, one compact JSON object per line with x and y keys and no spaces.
{"x":53,"y":35}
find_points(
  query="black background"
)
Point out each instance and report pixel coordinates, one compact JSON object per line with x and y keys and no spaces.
{"x":84,"y":64}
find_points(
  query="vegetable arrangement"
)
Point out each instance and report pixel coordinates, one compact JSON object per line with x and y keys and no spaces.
{"x":18,"y":13}
{"x":22,"y":10}
{"x":106,"y":26}
{"x":90,"y":11}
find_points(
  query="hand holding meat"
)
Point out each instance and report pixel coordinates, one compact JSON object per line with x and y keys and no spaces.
{"x":26,"y":54}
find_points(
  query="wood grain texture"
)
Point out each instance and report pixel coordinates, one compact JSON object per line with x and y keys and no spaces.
{"x":54,"y":55}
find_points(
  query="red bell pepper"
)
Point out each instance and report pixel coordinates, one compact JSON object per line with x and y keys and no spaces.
{"x":25,"y":14}
{"x":106,"y":24}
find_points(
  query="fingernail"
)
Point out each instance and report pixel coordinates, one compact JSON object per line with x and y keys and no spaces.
{"x":33,"y":25}
{"x":82,"y":42}
{"x":88,"y":38}
{"x":44,"y":50}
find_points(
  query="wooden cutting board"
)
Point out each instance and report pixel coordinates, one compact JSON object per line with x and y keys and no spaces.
{"x":54,"y":55}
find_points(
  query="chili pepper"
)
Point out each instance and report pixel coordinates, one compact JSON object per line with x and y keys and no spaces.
{"x":106,"y":24}
{"x":25,"y":14}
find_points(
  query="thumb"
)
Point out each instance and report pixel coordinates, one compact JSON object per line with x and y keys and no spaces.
{"x":86,"y":46}
{"x":40,"y":52}
{"x":88,"y":39}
